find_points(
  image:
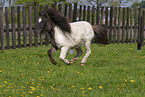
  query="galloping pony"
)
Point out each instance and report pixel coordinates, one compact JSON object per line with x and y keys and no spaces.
{"x":65,"y":36}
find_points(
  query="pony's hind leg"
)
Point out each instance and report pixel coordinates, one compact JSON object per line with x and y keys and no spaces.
{"x":63,"y":54}
{"x":49,"y":52}
{"x":88,"y":52}
{"x":79,"y":53}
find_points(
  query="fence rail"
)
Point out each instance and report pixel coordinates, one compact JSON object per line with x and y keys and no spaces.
{"x":125,"y":25}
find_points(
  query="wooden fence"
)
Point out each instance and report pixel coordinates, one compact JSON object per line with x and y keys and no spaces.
{"x":125,"y":25}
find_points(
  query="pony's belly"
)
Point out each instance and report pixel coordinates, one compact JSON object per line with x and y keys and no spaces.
{"x":69,"y":43}
{"x":78,"y":44}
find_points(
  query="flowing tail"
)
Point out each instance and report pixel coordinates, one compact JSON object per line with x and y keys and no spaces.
{"x":101,"y":34}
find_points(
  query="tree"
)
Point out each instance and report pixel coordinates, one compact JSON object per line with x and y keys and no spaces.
{"x":97,"y":2}
{"x":42,"y":2}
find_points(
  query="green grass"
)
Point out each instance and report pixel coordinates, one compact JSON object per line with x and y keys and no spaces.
{"x":115,"y":70}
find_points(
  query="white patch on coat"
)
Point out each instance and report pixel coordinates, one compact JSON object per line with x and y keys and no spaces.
{"x":81,"y":32}
{"x":39,"y":20}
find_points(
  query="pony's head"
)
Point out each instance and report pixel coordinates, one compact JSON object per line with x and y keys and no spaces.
{"x":45,"y":24}
{"x":49,"y":19}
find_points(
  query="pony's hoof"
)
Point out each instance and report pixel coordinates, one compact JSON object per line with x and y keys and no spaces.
{"x":71,"y":62}
{"x":82,"y":64}
{"x":68,"y":63}
{"x":54,"y":62}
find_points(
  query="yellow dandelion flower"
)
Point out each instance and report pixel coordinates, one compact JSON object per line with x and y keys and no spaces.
{"x":90,"y":88}
{"x":125,"y":80}
{"x":6,"y":90}
{"x":81,"y":73}
{"x":41,"y":94}
{"x":100,"y":87}
{"x":131,"y":80}
{"x":31,"y":92}
{"x":24,"y":93}
{"x":57,"y":89}
{"x":5,"y":82}
{"x":83,"y":91}
{"x":50,"y":86}
{"x":42,"y":76}
{"x":78,"y":72}
{"x":72,"y":86}
{"x":82,"y":88}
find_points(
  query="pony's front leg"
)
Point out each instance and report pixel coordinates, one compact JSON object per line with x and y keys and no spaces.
{"x":50,"y":52}
{"x":63,"y":54}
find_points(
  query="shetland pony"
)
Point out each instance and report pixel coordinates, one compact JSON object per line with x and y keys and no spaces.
{"x":65,"y":36}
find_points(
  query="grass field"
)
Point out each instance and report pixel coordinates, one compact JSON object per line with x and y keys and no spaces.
{"x":115,"y":70}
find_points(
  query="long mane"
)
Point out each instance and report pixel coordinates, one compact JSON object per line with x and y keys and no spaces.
{"x":59,"y":20}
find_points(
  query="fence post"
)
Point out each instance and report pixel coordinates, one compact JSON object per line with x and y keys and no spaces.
{"x":75,"y":13}
{"x":139,"y":31}
{"x":119,"y":23}
{"x":80,"y":13}
{"x":7,"y":27}
{"x":41,"y":38}
{"x":106,"y":17}
{"x":131,"y":24}
{"x":35,"y":23}
{"x":111,"y":22}
{"x":102,"y":14}
{"x":135,"y":24}
{"x":123,"y":26}
{"x":30,"y":26}
{"x":19,"y":26}
{"x":70,"y":12}
{"x":2,"y":28}
{"x":127,"y":25}
{"x":114,"y":32}
{"x":142,"y":31}
{"x":65,"y":10}
{"x":13,"y":27}
{"x":93,"y":15}
{"x":24,"y":27}
{"x":98,"y":15}
{"x":88,"y":14}
{"x":84,"y":13}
